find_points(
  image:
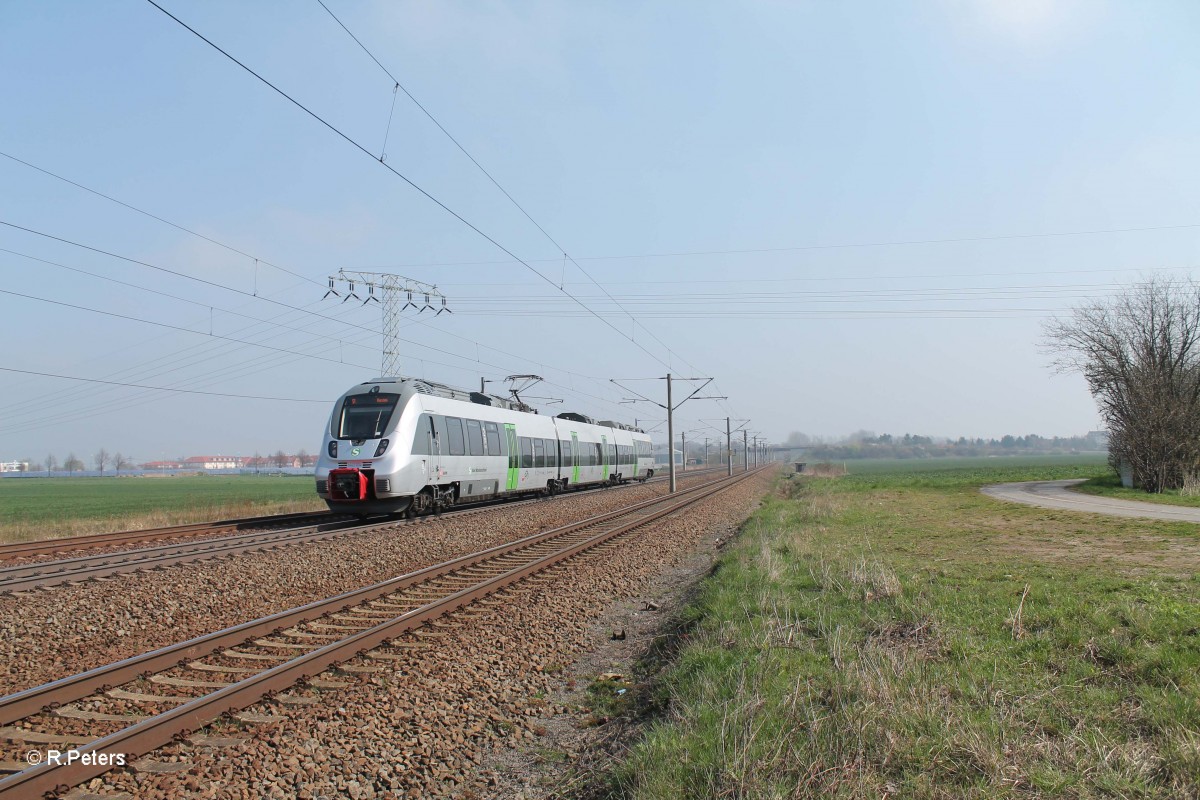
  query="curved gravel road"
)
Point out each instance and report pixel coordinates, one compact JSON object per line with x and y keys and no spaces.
{"x":1055,"y":494}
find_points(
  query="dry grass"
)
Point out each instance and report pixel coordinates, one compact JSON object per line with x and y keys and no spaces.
{"x":883,"y":642}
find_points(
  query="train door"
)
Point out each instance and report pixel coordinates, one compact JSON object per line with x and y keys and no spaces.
{"x":574,"y":458}
{"x":433,"y":467}
{"x":604,"y":456}
{"x":514,"y":456}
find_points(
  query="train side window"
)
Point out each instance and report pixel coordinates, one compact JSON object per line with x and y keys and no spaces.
{"x":598,"y":455}
{"x":422,"y":439}
{"x":539,"y":455}
{"x":526,"y":452}
{"x":564,"y":447}
{"x":552,"y":453}
{"x":454,"y":434}
{"x":475,"y":437}
{"x":493,"y":439}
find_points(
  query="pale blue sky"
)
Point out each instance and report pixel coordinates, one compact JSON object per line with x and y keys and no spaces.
{"x":624,"y":129}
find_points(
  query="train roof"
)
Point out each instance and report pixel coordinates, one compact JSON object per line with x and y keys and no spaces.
{"x":411,"y":386}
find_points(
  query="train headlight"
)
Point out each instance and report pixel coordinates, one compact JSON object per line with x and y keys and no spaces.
{"x":383,"y":445}
{"x":332,"y":449}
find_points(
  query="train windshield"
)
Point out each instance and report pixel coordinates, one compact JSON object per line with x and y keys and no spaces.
{"x":366,"y":416}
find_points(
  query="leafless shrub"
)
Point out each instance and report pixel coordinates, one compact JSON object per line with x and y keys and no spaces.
{"x":826,"y":469}
{"x":1140,"y":354}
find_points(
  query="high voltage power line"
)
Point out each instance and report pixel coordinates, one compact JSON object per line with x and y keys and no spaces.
{"x":161,"y":388}
{"x":404,"y":178}
{"x":257,"y":259}
{"x":497,"y":184}
{"x":247,"y":294}
{"x":838,"y":246}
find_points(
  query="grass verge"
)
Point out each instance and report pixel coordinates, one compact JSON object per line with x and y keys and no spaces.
{"x":1110,"y":486}
{"x":901,"y":635}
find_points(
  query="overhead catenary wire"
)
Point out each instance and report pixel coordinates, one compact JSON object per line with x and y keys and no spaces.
{"x":496,"y":183}
{"x":833,"y":246}
{"x":441,"y":331}
{"x":163,"y":388}
{"x":401,"y":176}
{"x":163,"y":220}
{"x":227,"y":288}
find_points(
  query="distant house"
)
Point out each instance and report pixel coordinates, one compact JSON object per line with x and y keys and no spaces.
{"x":14,"y":466}
{"x":1098,"y":439}
{"x":214,"y":462}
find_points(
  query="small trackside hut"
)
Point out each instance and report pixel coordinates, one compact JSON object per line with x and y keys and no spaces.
{"x":406,"y":445}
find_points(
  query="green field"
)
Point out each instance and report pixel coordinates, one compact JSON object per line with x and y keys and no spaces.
{"x":1089,"y":464}
{"x":37,"y":508}
{"x":898,"y":634}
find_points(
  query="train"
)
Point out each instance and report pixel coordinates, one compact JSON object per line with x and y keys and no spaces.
{"x":411,"y":446}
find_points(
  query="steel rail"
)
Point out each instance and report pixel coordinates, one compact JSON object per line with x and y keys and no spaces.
{"x":149,"y":734}
{"x":25,"y":577}
{"x":43,"y":547}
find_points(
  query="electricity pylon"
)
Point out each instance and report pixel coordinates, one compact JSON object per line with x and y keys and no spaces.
{"x":394,"y":294}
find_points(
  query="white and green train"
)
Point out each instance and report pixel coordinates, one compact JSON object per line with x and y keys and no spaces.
{"x":405,"y":445}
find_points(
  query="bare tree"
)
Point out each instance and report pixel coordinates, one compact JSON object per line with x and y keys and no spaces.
{"x":51,"y":464}
{"x":280,"y":458}
{"x":120,"y":461}
{"x":101,"y":459}
{"x":1140,"y":354}
{"x":72,"y":463}
{"x":302,"y":457}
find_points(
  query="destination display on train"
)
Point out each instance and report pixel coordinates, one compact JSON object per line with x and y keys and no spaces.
{"x":372,"y":400}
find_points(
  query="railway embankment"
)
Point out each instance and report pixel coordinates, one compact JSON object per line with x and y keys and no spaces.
{"x":46,"y":634}
{"x":419,"y":705}
{"x":902,"y":635}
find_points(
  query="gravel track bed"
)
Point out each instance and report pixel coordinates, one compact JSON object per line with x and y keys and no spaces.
{"x":50,"y":634}
{"x":432,"y":716}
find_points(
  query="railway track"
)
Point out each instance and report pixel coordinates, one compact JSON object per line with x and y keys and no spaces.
{"x":41,"y":574}
{"x":171,"y":692}
{"x":15,"y":550}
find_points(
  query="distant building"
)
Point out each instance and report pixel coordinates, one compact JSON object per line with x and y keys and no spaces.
{"x":1098,"y":439}
{"x":214,"y":462}
{"x":162,"y":465}
{"x":14,"y":466}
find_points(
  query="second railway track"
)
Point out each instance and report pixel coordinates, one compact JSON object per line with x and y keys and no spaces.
{"x":174,"y":691}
